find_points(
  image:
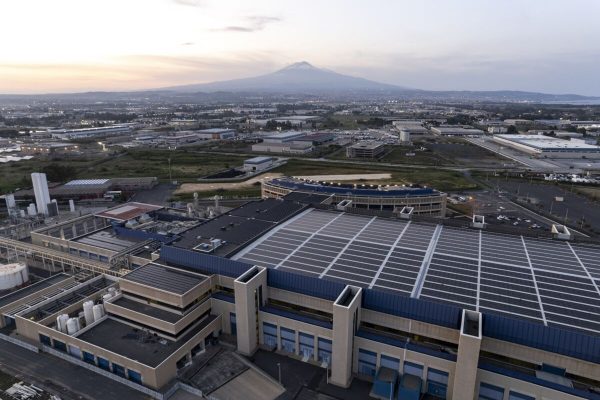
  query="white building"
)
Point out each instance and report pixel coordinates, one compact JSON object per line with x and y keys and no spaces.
{"x":40,"y":189}
{"x":549,"y":147}
{"x":257,"y":164}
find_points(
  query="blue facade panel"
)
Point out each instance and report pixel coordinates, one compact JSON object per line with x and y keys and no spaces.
{"x":204,"y":263}
{"x":303,"y":284}
{"x":566,"y":342}
{"x":407,"y":307}
{"x":297,"y":317}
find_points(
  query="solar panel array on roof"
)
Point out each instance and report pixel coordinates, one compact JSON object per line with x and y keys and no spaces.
{"x":546,"y":281}
{"x":164,"y":278}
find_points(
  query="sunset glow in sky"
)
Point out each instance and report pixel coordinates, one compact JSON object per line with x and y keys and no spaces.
{"x":79,"y":45}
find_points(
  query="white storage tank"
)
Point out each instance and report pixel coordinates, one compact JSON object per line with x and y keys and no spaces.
{"x":72,"y":326}
{"x":13,"y":275}
{"x":98,"y":311}
{"x":61,"y":322}
{"x":88,"y":312}
{"x":107,"y":297}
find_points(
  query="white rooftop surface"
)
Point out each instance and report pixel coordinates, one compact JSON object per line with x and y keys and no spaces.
{"x":80,"y":182}
{"x":549,"y":142}
{"x":547,"y":281}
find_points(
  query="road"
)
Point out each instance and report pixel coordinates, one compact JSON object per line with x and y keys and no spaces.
{"x":61,"y":377}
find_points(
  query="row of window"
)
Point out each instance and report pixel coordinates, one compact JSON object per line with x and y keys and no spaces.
{"x":90,"y":358}
{"x":306,"y":342}
{"x":436,"y":382}
{"x":491,"y":392}
{"x":91,"y":256}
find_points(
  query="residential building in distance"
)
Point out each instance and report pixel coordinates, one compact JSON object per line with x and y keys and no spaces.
{"x":365,"y":149}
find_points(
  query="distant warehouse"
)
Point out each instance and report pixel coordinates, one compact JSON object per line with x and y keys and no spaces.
{"x":549,"y":147}
{"x":456,"y":131}
{"x":284,"y":142}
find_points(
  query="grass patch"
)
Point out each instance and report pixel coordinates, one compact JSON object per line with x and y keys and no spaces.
{"x":438,"y":179}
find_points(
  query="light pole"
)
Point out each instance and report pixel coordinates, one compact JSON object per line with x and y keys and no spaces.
{"x":279,"y":369}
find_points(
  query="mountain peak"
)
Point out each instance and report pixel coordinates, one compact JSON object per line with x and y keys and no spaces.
{"x":302,"y":65}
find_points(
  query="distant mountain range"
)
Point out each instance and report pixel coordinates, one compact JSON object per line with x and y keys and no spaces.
{"x":300,"y":77}
{"x":303,"y":80}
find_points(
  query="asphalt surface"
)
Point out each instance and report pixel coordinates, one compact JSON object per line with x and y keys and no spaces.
{"x":61,"y":377}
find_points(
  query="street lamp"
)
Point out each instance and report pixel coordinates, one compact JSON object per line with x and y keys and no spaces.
{"x":279,"y":369}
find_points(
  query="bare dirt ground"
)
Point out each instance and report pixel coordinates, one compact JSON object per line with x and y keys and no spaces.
{"x":207,"y":187}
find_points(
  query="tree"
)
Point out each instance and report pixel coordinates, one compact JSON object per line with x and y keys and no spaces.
{"x":59,"y":173}
{"x":512,"y":130}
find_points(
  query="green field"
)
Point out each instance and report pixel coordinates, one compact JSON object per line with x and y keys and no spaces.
{"x":439,"y":179}
{"x":186,"y":166}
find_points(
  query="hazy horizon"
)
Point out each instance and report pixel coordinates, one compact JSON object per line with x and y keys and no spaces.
{"x":74,"y":46}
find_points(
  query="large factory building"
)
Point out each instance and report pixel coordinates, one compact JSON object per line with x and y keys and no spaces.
{"x":414,"y":307}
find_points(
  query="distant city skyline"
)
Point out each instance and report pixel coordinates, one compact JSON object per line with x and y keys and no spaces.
{"x":71,"y":46}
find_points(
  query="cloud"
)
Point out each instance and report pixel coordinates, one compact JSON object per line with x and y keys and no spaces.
{"x":252,"y":24}
{"x":188,"y":44}
{"x":190,"y":3}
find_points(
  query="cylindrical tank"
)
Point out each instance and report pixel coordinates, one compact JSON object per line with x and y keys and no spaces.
{"x":72,"y":326}
{"x":98,"y":311}
{"x":112,"y":291}
{"x":107,"y":297}
{"x":61,"y":322}
{"x":13,"y":275}
{"x":88,"y":312}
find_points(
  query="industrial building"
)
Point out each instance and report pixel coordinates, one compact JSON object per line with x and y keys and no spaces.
{"x":451,"y":130}
{"x":549,"y":147}
{"x":285,"y":142}
{"x":216,"y":133}
{"x":48,"y":148}
{"x":372,"y":149}
{"x":411,"y":305}
{"x":421,"y":201}
{"x":257,"y":164}
{"x":84,"y":133}
{"x":90,"y":189}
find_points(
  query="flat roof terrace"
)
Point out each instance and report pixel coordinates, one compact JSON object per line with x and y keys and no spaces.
{"x":165,"y":278}
{"x":106,"y":239}
{"x":135,"y":343}
{"x":148,"y":310}
{"x":555,"y":283}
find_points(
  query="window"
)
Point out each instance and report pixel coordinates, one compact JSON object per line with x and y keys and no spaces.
{"x":411,"y":368}
{"x":490,"y":392}
{"x":307,"y":345}
{"x":367,"y":362}
{"x":104,"y":363}
{"x":118,"y":370}
{"x":103,"y":258}
{"x":74,"y":251}
{"x":512,"y":395}
{"x":58,"y":345}
{"x":270,"y":335}
{"x":83,"y":254}
{"x":89,"y":358}
{"x":233,"y":323}
{"x":288,"y":340}
{"x":324,"y":350}
{"x":390,"y":362}
{"x":134,"y":376}
{"x":437,"y":382}
{"x":45,"y":340}
{"x":75,"y":351}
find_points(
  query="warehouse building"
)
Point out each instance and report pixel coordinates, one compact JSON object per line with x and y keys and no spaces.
{"x":415,"y":307}
{"x":549,"y":147}
{"x":422,"y":201}
{"x":451,"y":130}
{"x":49,"y":148}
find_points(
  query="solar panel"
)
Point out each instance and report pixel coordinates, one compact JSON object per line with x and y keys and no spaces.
{"x":544,"y":281}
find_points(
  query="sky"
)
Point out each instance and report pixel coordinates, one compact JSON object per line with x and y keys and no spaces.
{"x":550,"y":46}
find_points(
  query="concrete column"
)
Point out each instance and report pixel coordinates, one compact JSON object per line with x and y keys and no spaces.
{"x":469,"y":343}
{"x":346,"y":318}
{"x":246,"y":290}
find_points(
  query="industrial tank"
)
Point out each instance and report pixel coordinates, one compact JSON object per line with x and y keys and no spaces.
{"x":13,"y":275}
{"x":88,"y":312}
